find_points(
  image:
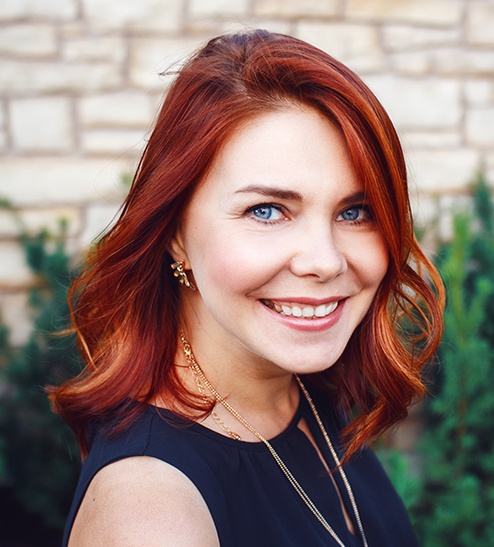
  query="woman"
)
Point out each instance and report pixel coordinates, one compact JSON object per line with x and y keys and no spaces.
{"x":243,"y":322}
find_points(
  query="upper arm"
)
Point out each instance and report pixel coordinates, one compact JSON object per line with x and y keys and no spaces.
{"x":143,"y":501}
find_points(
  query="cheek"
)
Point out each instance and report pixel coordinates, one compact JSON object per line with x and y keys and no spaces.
{"x":231,"y":264}
{"x":228,"y":273}
{"x":372,"y":258}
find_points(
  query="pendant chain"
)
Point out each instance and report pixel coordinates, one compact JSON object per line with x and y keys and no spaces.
{"x":217,"y":419}
{"x":200,"y":378}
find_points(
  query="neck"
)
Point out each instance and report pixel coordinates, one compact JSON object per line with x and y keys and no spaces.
{"x":264,"y":395}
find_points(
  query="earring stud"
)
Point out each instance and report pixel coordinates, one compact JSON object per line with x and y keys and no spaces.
{"x":179,"y":273}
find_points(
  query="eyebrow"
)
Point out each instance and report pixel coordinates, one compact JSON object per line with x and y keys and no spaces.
{"x":354,"y":198}
{"x":270,"y":191}
{"x":291,"y":195}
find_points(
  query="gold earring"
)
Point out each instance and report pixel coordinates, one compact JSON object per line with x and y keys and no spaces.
{"x":178,"y":272}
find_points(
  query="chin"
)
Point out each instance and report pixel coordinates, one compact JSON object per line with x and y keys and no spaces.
{"x":319,"y":354}
{"x":306,"y":365}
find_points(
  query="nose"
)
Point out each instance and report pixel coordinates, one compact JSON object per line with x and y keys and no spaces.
{"x":319,"y":255}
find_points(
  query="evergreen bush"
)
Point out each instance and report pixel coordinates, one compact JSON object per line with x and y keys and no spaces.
{"x":39,"y":459}
{"x":451,"y":496}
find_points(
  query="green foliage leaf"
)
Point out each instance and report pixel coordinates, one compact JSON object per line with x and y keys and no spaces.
{"x":38,"y":454}
{"x":455,"y":503}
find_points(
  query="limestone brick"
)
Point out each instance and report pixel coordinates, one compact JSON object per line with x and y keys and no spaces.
{"x":479,"y":92}
{"x":205,"y":27}
{"x":412,"y":63}
{"x":34,"y":220}
{"x":62,"y":181}
{"x":439,"y":171}
{"x":446,"y":13}
{"x":424,"y":208}
{"x":406,"y":37}
{"x":58,"y":10}
{"x":431,"y":139}
{"x":107,"y":142}
{"x":144,"y":15}
{"x":125,"y":109}
{"x":98,"y":219}
{"x":3,"y":135}
{"x":282,"y":26}
{"x":453,"y":61}
{"x":8,"y":225}
{"x":480,"y":23}
{"x":28,"y":40}
{"x":43,"y":124}
{"x":296,"y":8}
{"x":448,"y":205}
{"x":18,"y":78}
{"x":199,"y":8}
{"x":89,"y":49}
{"x":488,"y":167}
{"x":14,"y":272}
{"x":150,"y":57}
{"x":17,"y":317}
{"x":72,"y":30}
{"x":355,"y":45}
{"x":433,"y":104}
{"x":480,"y":126}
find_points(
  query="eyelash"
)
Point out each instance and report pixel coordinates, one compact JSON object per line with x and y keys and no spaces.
{"x":249,"y":212}
{"x":366,"y":209}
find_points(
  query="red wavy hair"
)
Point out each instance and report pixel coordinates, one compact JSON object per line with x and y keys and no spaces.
{"x":125,"y":304}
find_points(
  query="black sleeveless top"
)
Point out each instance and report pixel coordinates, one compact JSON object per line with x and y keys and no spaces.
{"x":249,"y":497}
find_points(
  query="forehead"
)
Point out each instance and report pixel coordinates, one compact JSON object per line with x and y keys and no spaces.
{"x":293,"y":147}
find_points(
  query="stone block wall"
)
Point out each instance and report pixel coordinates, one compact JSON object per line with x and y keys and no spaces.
{"x":80,"y":85}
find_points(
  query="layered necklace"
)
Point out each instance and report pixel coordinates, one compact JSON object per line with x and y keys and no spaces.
{"x":201,"y":381}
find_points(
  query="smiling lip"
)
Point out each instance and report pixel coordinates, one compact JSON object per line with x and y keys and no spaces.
{"x":306,"y":314}
{"x":304,"y":310}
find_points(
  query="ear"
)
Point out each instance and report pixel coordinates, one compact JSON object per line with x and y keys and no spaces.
{"x":177,"y":248}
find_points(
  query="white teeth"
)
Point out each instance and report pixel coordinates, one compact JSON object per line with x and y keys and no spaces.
{"x":320,"y":311}
{"x":331,"y":307}
{"x":307,"y":312}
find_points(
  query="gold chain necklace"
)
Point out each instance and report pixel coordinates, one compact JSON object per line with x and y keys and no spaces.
{"x":217,"y":419}
{"x":201,"y":379}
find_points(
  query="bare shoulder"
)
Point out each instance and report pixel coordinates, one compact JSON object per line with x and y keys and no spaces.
{"x":143,"y":501}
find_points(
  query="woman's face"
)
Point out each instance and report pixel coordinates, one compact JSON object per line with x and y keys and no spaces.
{"x":282,"y":246}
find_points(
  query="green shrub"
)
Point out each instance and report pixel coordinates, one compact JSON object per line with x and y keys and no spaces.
{"x":451,"y":496}
{"x":38,"y":455}
{"x":456,"y":505}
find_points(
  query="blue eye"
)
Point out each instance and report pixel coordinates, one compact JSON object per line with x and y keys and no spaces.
{"x":352,"y":213}
{"x":263,"y":212}
{"x":266,"y":212}
{"x":357,"y":213}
